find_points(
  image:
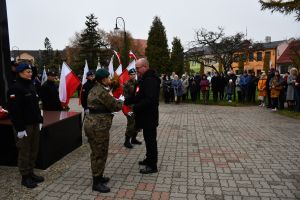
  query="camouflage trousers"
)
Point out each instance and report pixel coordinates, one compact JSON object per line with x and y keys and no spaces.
{"x":131,"y":130}
{"x":28,"y":148}
{"x":96,"y":127}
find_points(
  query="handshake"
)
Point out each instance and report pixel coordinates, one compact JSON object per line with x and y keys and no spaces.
{"x":127,"y":101}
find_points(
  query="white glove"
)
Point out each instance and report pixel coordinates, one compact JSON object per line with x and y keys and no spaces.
{"x":86,"y":111}
{"x":40,"y":126}
{"x":122,"y":98}
{"x":21,"y":134}
{"x":130,"y":114}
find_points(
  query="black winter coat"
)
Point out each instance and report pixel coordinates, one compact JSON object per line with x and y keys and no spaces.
{"x":50,"y":97}
{"x":23,"y":106}
{"x":85,"y":92}
{"x":146,"y":101}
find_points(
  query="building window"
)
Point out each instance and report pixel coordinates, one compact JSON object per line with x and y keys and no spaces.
{"x":244,"y":57}
{"x":259,"y":56}
{"x":268,"y":53}
{"x":284,"y":69}
{"x":251,"y":56}
{"x":236,"y":58}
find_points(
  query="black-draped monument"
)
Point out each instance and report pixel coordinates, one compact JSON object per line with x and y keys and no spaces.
{"x":4,"y":54}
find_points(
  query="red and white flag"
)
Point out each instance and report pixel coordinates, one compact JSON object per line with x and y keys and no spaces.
{"x":118,"y":56}
{"x":119,"y":70}
{"x":85,"y":71}
{"x":131,"y":55}
{"x":111,"y":67}
{"x":67,"y":85}
{"x":83,"y":81}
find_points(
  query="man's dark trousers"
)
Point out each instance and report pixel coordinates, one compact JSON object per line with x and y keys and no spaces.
{"x":151,"y":146}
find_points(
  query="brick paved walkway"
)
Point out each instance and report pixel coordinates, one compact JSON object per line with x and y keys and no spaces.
{"x":205,"y":152}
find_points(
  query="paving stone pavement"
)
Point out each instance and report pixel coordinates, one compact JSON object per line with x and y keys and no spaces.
{"x":205,"y":152}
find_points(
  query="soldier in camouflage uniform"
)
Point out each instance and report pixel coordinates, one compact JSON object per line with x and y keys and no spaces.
{"x":129,"y":91}
{"x":97,"y":124}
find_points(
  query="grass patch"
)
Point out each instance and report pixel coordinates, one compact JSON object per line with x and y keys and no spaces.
{"x":288,"y":113}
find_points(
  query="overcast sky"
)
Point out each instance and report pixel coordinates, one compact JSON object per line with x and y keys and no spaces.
{"x":30,"y":21}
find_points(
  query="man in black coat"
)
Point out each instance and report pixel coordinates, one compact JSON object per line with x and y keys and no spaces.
{"x":49,"y":94}
{"x":87,"y":86}
{"x":145,"y":110}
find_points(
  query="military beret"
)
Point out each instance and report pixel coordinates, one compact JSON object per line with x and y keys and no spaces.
{"x":22,"y":66}
{"x":102,"y":73}
{"x":90,"y":73}
{"x":132,"y":71}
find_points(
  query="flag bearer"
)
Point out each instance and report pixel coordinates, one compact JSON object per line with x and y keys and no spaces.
{"x":129,"y":91}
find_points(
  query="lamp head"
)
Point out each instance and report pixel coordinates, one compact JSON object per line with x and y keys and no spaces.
{"x":116,"y":28}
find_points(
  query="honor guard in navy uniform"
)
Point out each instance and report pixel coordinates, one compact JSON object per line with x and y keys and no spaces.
{"x":97,"y":124}
{"x":26,"y":118}
{"x":49,"y":94}
{"x":129,"y":89}
{"x":90,"y":76}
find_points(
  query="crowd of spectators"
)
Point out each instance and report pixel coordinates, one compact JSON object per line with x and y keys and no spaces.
{"x":266,"y":89}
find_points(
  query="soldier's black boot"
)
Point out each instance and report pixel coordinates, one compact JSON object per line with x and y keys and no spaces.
{"x":28,"y":182}
{"x":98,"y":186}
{"x":135,"y":141}
{"x":127,"y":143}
{"x":103,"y":179}
{"x":36,"y":178}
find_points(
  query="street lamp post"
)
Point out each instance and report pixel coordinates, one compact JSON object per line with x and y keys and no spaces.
{"x":124,"y":48}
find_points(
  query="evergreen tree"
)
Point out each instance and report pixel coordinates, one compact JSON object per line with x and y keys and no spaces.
{"x":266,"y":62}
{"x":157,"y":47}
{"x":90,"y":42}
{"x":47,"y":54}
{"x":286,"y":7}
{"x":177,"y":57}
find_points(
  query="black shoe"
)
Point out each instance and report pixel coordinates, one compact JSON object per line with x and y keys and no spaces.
{"x":135,"y":141}
{"x":28,"y":182}
{"x":148,"y":170}
{"x":101,"y":187}
{"x":128,"y":145}
{"x":36,"y":178}
{"x":143,"y":162}
{"x":103,"y":179}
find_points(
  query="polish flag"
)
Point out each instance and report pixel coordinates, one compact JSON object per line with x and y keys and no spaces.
{"x":85,"y":71}
{"x":84,"y":80}
{"x":67,"y":85}
{"x":111,"y":67}
{"x":123,"y":78}
{"x":118,"y":56}
{"x":131,"y":55}
{"x":119,"y":70}
{"x":44,"y":76}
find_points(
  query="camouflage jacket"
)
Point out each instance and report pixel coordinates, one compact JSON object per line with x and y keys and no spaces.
{"x":100,"y":99}
{"x":129,"y":88}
